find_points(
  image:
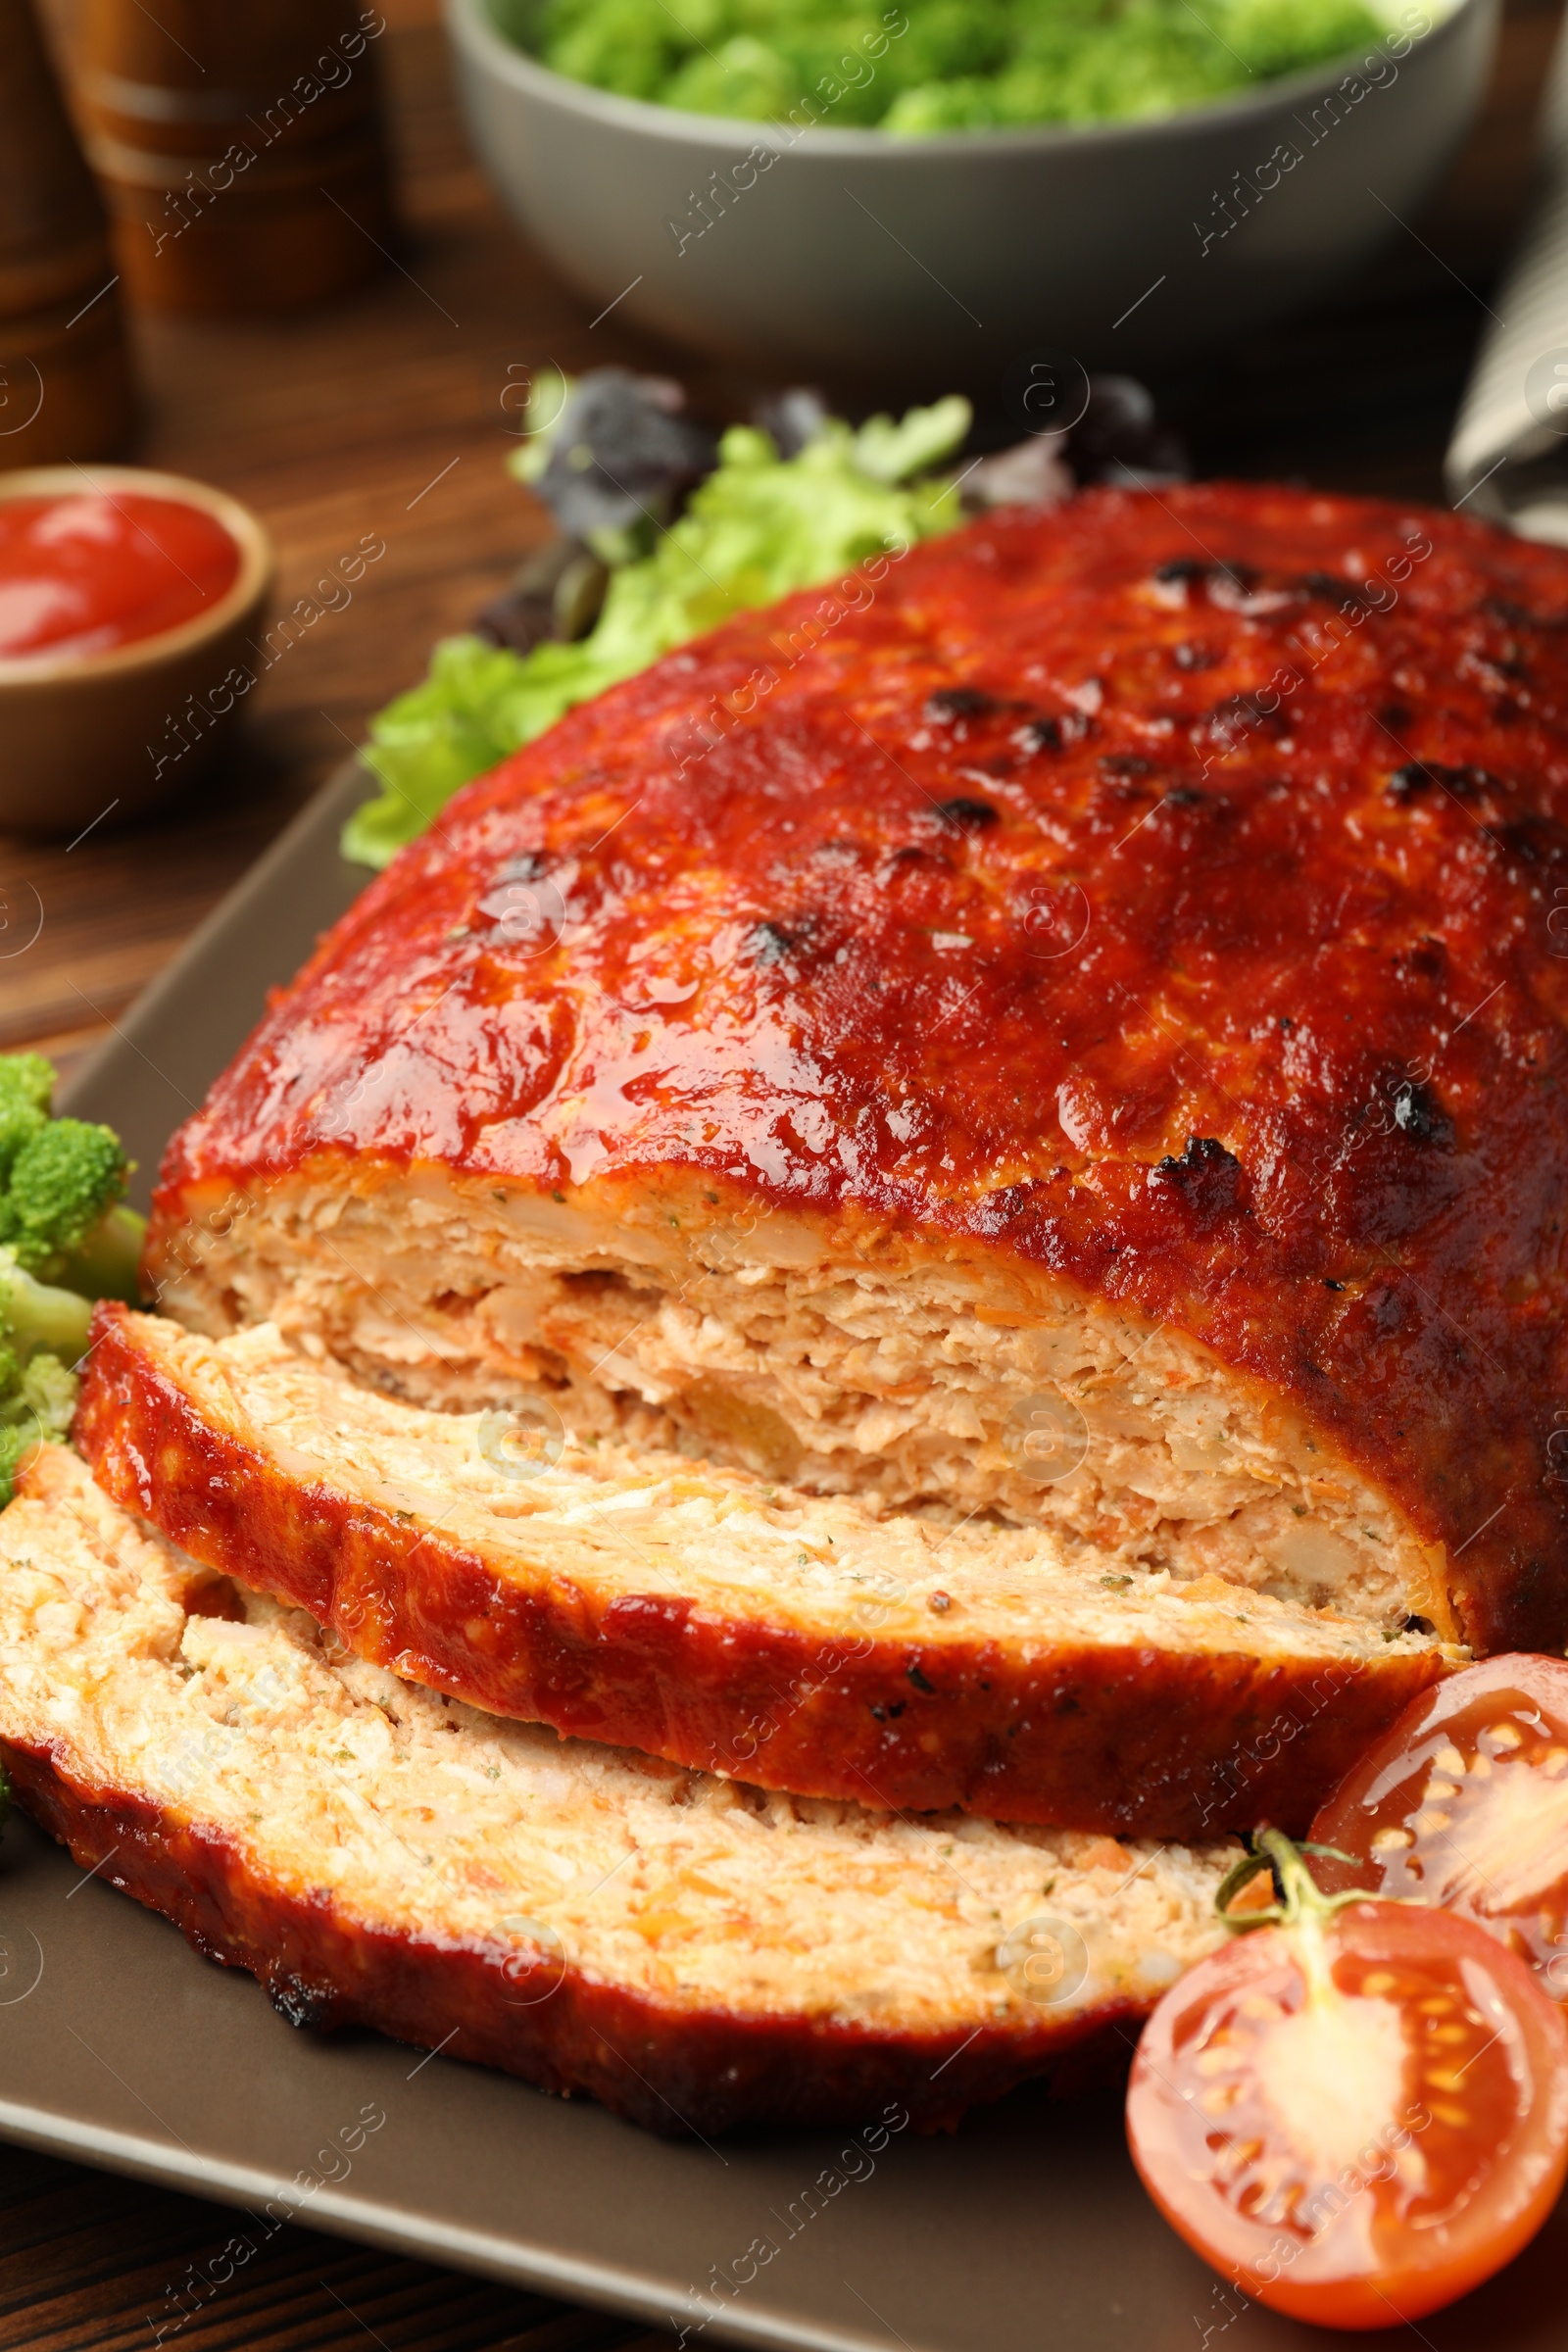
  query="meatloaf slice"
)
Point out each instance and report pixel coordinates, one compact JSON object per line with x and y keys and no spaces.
{"x":694,"y":1954}
{"x":1071,"y":1023}
{"x":694,"y":1612}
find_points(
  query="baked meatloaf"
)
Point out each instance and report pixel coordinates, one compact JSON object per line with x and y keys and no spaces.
{"x":801,"y":1641}
{"x":692,"y":1953}
{"x":1068,"y":1028}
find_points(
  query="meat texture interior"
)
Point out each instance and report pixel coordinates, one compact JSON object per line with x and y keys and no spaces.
{"x":380,"y":1854}
{"x":1066,"y":1031}
{"x":801,"y":1641}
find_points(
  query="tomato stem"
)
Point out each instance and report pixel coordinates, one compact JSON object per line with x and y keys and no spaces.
{"x":1302,"y":1902}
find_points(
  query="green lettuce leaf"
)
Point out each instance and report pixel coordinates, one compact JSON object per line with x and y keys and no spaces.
{"x":759,"y":526}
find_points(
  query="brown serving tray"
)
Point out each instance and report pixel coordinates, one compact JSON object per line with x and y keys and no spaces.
{"x":1024,"y":2232}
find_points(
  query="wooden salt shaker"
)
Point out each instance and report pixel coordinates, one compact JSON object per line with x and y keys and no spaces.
{"x":65,"y":378}
{"x":240,"y":144}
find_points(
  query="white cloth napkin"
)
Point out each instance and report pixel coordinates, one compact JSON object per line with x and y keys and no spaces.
{"x":1508,"y":458}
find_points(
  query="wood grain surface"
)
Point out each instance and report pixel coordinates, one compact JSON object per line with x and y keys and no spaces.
{"x":88,"y":2259}
{"x":384,"y":414}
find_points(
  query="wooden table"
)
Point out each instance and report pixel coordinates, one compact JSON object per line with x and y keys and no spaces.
{"x":385,"y":415}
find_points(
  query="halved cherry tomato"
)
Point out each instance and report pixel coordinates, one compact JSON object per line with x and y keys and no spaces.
{"x":1464,"y":1801}
{"x":1357,"y":2115}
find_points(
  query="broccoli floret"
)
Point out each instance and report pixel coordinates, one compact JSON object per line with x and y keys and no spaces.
{"x":49,"y":1395}
{"x":64,"y":1181}
{"x":66,"y":1239}
{"x":37,"y":1315}
{"x":43,"y":1331}
{"x":61,"y":1182}
{"x":26,"y":1084}
{"x":107,"y":1262}
{"x":14,"y":1443}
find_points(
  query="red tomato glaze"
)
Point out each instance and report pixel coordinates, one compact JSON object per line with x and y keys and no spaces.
{"x":83,"y":574}
{"x":1081,"y":853}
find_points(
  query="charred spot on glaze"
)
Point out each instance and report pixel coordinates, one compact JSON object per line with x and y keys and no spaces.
{"x":1528,"y":840}
{"x":1238,"y":576}
{"x":1345,"y":593}
{"x":1417,"y":777}
{"x":1052,"y":733}
{"x":966,"y":815}
{"x":911,"y":854}
{"x":524,"y":869}
{"x":1419,"y":1115}
{"x":1185,"y":796}
{"x":768,"y":943}
{"x":301,"y":2003}
{"x":950,"y":703}
{"x":920,"y":1681}
{"x":1520,"y":616}
{"x":1126,"y":763}
{"x":1207,"y":1176}
{"x":1246,"y":712}
{"x":1407,"y":782}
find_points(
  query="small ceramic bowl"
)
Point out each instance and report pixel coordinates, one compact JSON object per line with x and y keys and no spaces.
{"x":82,"y":737}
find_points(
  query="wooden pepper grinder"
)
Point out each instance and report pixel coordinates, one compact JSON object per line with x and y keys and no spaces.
{"x":65,"y":378}
{"x":240,"y":144}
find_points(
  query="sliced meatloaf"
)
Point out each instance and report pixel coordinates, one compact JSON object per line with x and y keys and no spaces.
{"x":1070,"y":1024}
{"x":694,"y":1954}
{"x":798,"y":1642}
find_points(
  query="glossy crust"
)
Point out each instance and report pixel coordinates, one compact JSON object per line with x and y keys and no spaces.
{"x":1163,"y":892}
{"x":1161,"y":1742}
{"x":676,"y":2071}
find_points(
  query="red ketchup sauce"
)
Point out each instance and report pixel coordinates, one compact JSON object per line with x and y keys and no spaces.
{"x":85,"y":573}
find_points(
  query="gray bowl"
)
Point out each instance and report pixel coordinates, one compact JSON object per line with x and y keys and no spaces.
{"x":933,"y":264}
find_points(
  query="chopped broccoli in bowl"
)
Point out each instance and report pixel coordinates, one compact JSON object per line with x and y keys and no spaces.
{"x":930,"y":67}
{"x":66,"y":1239}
